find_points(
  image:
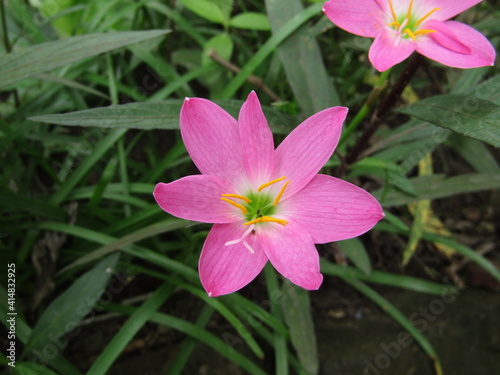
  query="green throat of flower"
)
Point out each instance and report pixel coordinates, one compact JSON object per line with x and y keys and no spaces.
{"x":407,"y":25}
{"x":257,"y":207}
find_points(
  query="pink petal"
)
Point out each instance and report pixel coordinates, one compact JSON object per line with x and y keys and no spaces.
{"x":256,"y":141}
{"x":226,"y":269}
{"x":198,"y":198}
{"x":446,"y":38}
{"x":449,"y":8}
{"x":308,"y":147}
{"x":481,"y":53}
{"x":332,"y":210}
{"x":361,"y":17}
{"x":389,"y":49}
{"x":212,"y":139}
{"x":292,"y":252}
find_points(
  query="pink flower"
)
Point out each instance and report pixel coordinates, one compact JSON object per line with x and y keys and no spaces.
{"x":266,"y":204}
{"x":403,"y":26}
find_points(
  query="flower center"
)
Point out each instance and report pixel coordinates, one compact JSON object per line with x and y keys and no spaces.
{"x":407,"y":24}
{"x":257,"y":207}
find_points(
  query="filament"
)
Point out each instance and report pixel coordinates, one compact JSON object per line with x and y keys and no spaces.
{"x":263,"y":186}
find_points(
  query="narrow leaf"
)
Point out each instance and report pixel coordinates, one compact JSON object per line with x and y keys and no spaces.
{"x":64,"y":313}
{"x":152,"y":115}
{"x":467,"y":115}
{"x":41,"y":58}
{"x":301,"y":57}
{"x":356,"y":252}
{"x":251,"y":21}
{"x":436,"y":186}
{"x":297,"y":313}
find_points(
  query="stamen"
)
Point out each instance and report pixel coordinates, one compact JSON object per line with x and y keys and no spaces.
{"x":267,"y":219}
{"x":410,"y":33}
{"x":280,"y":194}
{"x":396,"y":24}
{"x":424,"y":32}
{"x":241,"y":207}
{"x":393,"y":12}
{"x":249,"y":248}
{"x":243,"y":198}
{"x":424,"y":17}
{"x":410,"y":9}
{"x":263,"y":186}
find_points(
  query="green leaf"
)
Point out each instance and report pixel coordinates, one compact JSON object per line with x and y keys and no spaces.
{"x":66,"y":311}
{"x":138,"y":235}
{"x":296,"y":310}
{"x":386,"y":278}
{"x":211,"y":340}
{"x":356,"y":252}
{"x":476,"y":153}
{"x":222,"y":44}
{"x":251,"y":21}
{"x":13,"y":201}
{"x":30,"y":368}
{"x":399,"y":317}
{"x":435,"y":186}
{"x":464,"y":114}
{"x":208,"y":10}
{"x":270,"y":47}
{"x":152,"y":115}
{"x":41,"y":58}
{"x":127,"y":332}
{"x":301,"y":57}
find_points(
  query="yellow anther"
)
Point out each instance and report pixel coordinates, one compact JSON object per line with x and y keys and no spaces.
{"x":410,"y":33}
{"x":280,"y":194}
{"x":424,"y":32}
{"x":267,"y":219}
{"x":396,"y":24}
{"x":241,"y":207}
{"x":393,"y":12}
{"x":263,"y":186}
{"x":424,"y":17}
{"x":243,"y":198}
{"x":410,"y":9}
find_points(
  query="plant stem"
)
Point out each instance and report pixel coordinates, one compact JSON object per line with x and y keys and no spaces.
{"x":365,"y":109}
{"x":6,"y":42}
{"x":384,"y":107}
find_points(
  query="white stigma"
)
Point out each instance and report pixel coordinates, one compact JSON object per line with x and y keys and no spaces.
{"x":245,"y":243}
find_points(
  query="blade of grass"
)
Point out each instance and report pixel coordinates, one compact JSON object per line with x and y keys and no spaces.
{"x":134,"y":250}
{"x":398,"y":316}
{"x":86,"y":165}
{"x":138,"y":235}
{"x":136,"y":321}
{"x":187,"y":347}
{"x":396,"y":226}
{"x":43,"y":57}
{"x":179,"y":19}
{"x":214,"y":303}
{"x":385,"y":278}
{"x":198,"y":333}
{"x":279,"y":341}
{"x":72,"y":84}
{"x":268,"y":48}
{"x":122,"y":158}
